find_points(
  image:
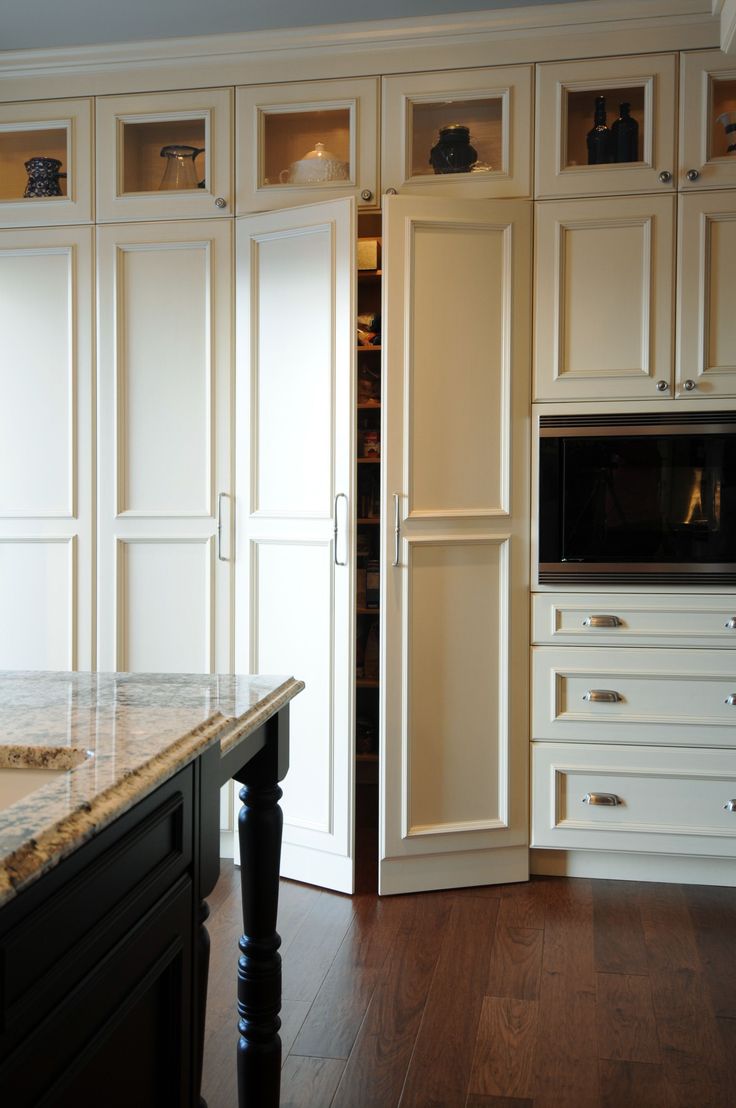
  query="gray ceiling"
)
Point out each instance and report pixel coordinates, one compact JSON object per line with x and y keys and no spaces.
{"x":32,"y":25}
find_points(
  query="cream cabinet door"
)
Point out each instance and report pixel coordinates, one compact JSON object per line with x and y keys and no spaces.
{"x":706,"y":321}
{"x":707,"y":120}
{"x":46,"y":428}
{"x":455,"y":584}
{"x":295,"y":579}
{"x":604,"y":299}
{"x":164,"y":489}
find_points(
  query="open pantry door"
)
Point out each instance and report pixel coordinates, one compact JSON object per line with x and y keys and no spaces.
{"x":294,"y":612}
{"x":456,"y":323}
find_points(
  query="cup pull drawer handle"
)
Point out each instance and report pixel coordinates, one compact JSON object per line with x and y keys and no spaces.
{"x":730,"y":806}
{"x":603,"y":696}
{"x":730,"y":699}
{"x":601,"y":621}
{"x":731,"y":624}
{"x":605,"y":800}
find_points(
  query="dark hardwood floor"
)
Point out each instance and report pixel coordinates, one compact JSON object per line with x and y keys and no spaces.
{"x":561,"y":992}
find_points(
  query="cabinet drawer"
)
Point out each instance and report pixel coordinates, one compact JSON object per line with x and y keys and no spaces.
{"x":670,"y":697}
{"x":618,"y":619}
{"x":661,"y":801}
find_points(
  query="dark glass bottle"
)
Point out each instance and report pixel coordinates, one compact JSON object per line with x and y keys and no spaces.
{"x":625,"y":136}
{"x":599,"y":137}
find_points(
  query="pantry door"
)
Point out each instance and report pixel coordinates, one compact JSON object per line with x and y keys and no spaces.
{"x":294,"y":478}
{"x":456,"y":545}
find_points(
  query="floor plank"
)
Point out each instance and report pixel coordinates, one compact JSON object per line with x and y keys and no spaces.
{"x":516,"y":962}
{"x":713,"y":914}
{"x":618,"y":935}
{"x":308,"y":1082}
{"x":503,"y":1062}
{"x":626,"y":1026}
{"x":634,"y":1085}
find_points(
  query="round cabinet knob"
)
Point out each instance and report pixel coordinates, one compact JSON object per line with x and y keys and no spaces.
{"x":693,"y":174}
{"x":662,"y":386}
{"x":688,"y":385}
{"x":366,"y":194}
{"x":390,"y":192}
{"x":220,"y":202}
{"x":665,"y":176}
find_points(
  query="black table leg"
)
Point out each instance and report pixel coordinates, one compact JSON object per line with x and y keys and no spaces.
{"x":259,"y":966}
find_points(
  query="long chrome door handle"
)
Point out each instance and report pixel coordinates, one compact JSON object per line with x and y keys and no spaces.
{"x":397,"y":529}
{"x":601,"y":621}
{"x":605,"y":800}
{"x":220,"y":496}
{"x":335,"y":528}
{"x":602,"y":696}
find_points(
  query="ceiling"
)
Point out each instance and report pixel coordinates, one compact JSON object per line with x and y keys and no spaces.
{"x":48,"y":23}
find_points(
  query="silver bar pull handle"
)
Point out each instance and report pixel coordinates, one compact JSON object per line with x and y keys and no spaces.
{"x":604,"y":800}
{"x":602,"y":696}
{"x":601,"y":621}
{"x":220,"y":496}
{"x":730,"y":806}
{"x":731,"y":624}
{"x":730,"y":699}
{"x":397,"y":529}
{"x":335,"y":528}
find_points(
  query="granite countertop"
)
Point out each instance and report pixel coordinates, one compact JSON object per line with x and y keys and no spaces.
{"x":118,"y":736}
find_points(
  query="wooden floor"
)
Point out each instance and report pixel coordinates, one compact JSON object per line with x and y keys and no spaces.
{"x":561,"y":992}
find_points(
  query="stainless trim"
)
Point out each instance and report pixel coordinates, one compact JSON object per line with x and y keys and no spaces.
{"x":605,"y":800}
{"x":397,"y":530}
{"x":602,"y":696}
{"x":705,"y":569}
{"x":334,"y":529}
{"x":602,"y":621}
{"x":632,"y":430}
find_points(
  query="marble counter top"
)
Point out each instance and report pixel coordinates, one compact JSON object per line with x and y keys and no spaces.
{"x":118,"y":736}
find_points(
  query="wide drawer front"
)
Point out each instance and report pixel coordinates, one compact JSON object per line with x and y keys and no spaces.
{"x":662,"y":801}
{"x":672,"y":697}
{"x":626,"y":619}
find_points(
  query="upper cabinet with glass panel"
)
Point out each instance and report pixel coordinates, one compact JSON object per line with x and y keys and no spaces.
{"x":45,"y":163}
{"x":707,"y":120}
{"x":164,"y":155}
{"x":462,"y":133}
{"x":300,"y":142}
{"x":606,"y":126}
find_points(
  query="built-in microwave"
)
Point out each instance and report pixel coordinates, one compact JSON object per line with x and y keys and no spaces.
{"x":641,"y":498}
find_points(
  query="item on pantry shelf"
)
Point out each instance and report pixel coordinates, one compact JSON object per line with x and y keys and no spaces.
{"x":371,"y":444}
{"x":368,"y":254}
{"x":316,"y":167}
{"x":369,"y":385}
{"x":372,"y":585}
{"x":453,"y":152}
{"x":370,"y":656}
{"x":728,"y":122}
{"x":624,"y":136}
{"x":599,"y":136}
{"x":366,"y":736}
{"x":370,"y":323}
{"x":43,"y":177}
{"x":179,"y":172}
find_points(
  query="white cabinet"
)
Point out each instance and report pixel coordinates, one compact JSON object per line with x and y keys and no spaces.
{"x":494,"y":105}
{"x":566,"y":94}
{"x":164,"y":493}
{"x":707,"y":120}
{"x":46,"y":449}
{"x":455,"y":576}
{"x":46,"y":163}
{"x":308,"y":141}
{"x":164,"y":155}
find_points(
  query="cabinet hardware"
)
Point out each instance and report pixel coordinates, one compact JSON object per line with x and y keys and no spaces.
{"x":220,"y":496}
{"x":366,"y":194}
{"x":662,"y":386}
{"x":390,"y":192}
{"x":731,"y":625}
{"x":693,"y":174}
{"x":730,"y":699}
{"x":397,"y":530}
{"x":665,"y":176}
{"x":601,"y":621}
{"x":604,"y":800}
{"x":688,"y":385}
{"x":602,"y":696}
{"x":730,"y":806}
{"x":334,"y":529}
{"x":220,"y":202}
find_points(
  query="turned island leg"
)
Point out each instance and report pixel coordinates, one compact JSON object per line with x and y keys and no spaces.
{"x":259,"y":965}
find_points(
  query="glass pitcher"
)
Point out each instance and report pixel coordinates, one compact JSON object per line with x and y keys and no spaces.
{"x":179,"y":172}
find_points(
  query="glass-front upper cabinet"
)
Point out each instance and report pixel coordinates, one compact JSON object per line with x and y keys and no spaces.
{"x":464,"y":133}
{"x":300,"y":142}
{"x":45,"y":163}
{"x":164,"y":155}
{"x":707,"y":120}
{"x":606,"y":126}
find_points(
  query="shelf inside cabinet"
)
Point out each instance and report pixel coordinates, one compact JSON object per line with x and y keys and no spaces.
{"x":143,"y":163}
{"x":581,"y":112}
{"x":18,"y":146}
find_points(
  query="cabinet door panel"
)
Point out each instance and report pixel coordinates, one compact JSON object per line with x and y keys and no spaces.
{"x":604,"y":295}
{"x":164,"y":392}
{"x":707,"y":104}
{"x":453,"y":600}
{"x":295,"y":435}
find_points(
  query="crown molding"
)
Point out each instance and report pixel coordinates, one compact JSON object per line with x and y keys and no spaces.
{"x":726,"y":9}
{"x":376,"y":46}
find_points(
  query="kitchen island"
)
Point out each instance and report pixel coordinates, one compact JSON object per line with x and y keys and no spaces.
{"x":109,"y":837}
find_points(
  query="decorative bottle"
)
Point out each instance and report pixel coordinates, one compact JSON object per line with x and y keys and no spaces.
{"x":625,"y":136}
{"x":599,"y":137}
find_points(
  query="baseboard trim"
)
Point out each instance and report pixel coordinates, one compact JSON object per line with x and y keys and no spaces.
{"x":612,"y":865}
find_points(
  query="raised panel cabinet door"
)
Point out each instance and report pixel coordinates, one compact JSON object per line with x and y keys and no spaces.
{"x":707,"y":117}
{"x":706,"y":322}
{"x":295,"y":518}
{"x":46,"y":449}
{"x":165,"y":547}
{"x":604,"y":299}
{"x":454,"y":594}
